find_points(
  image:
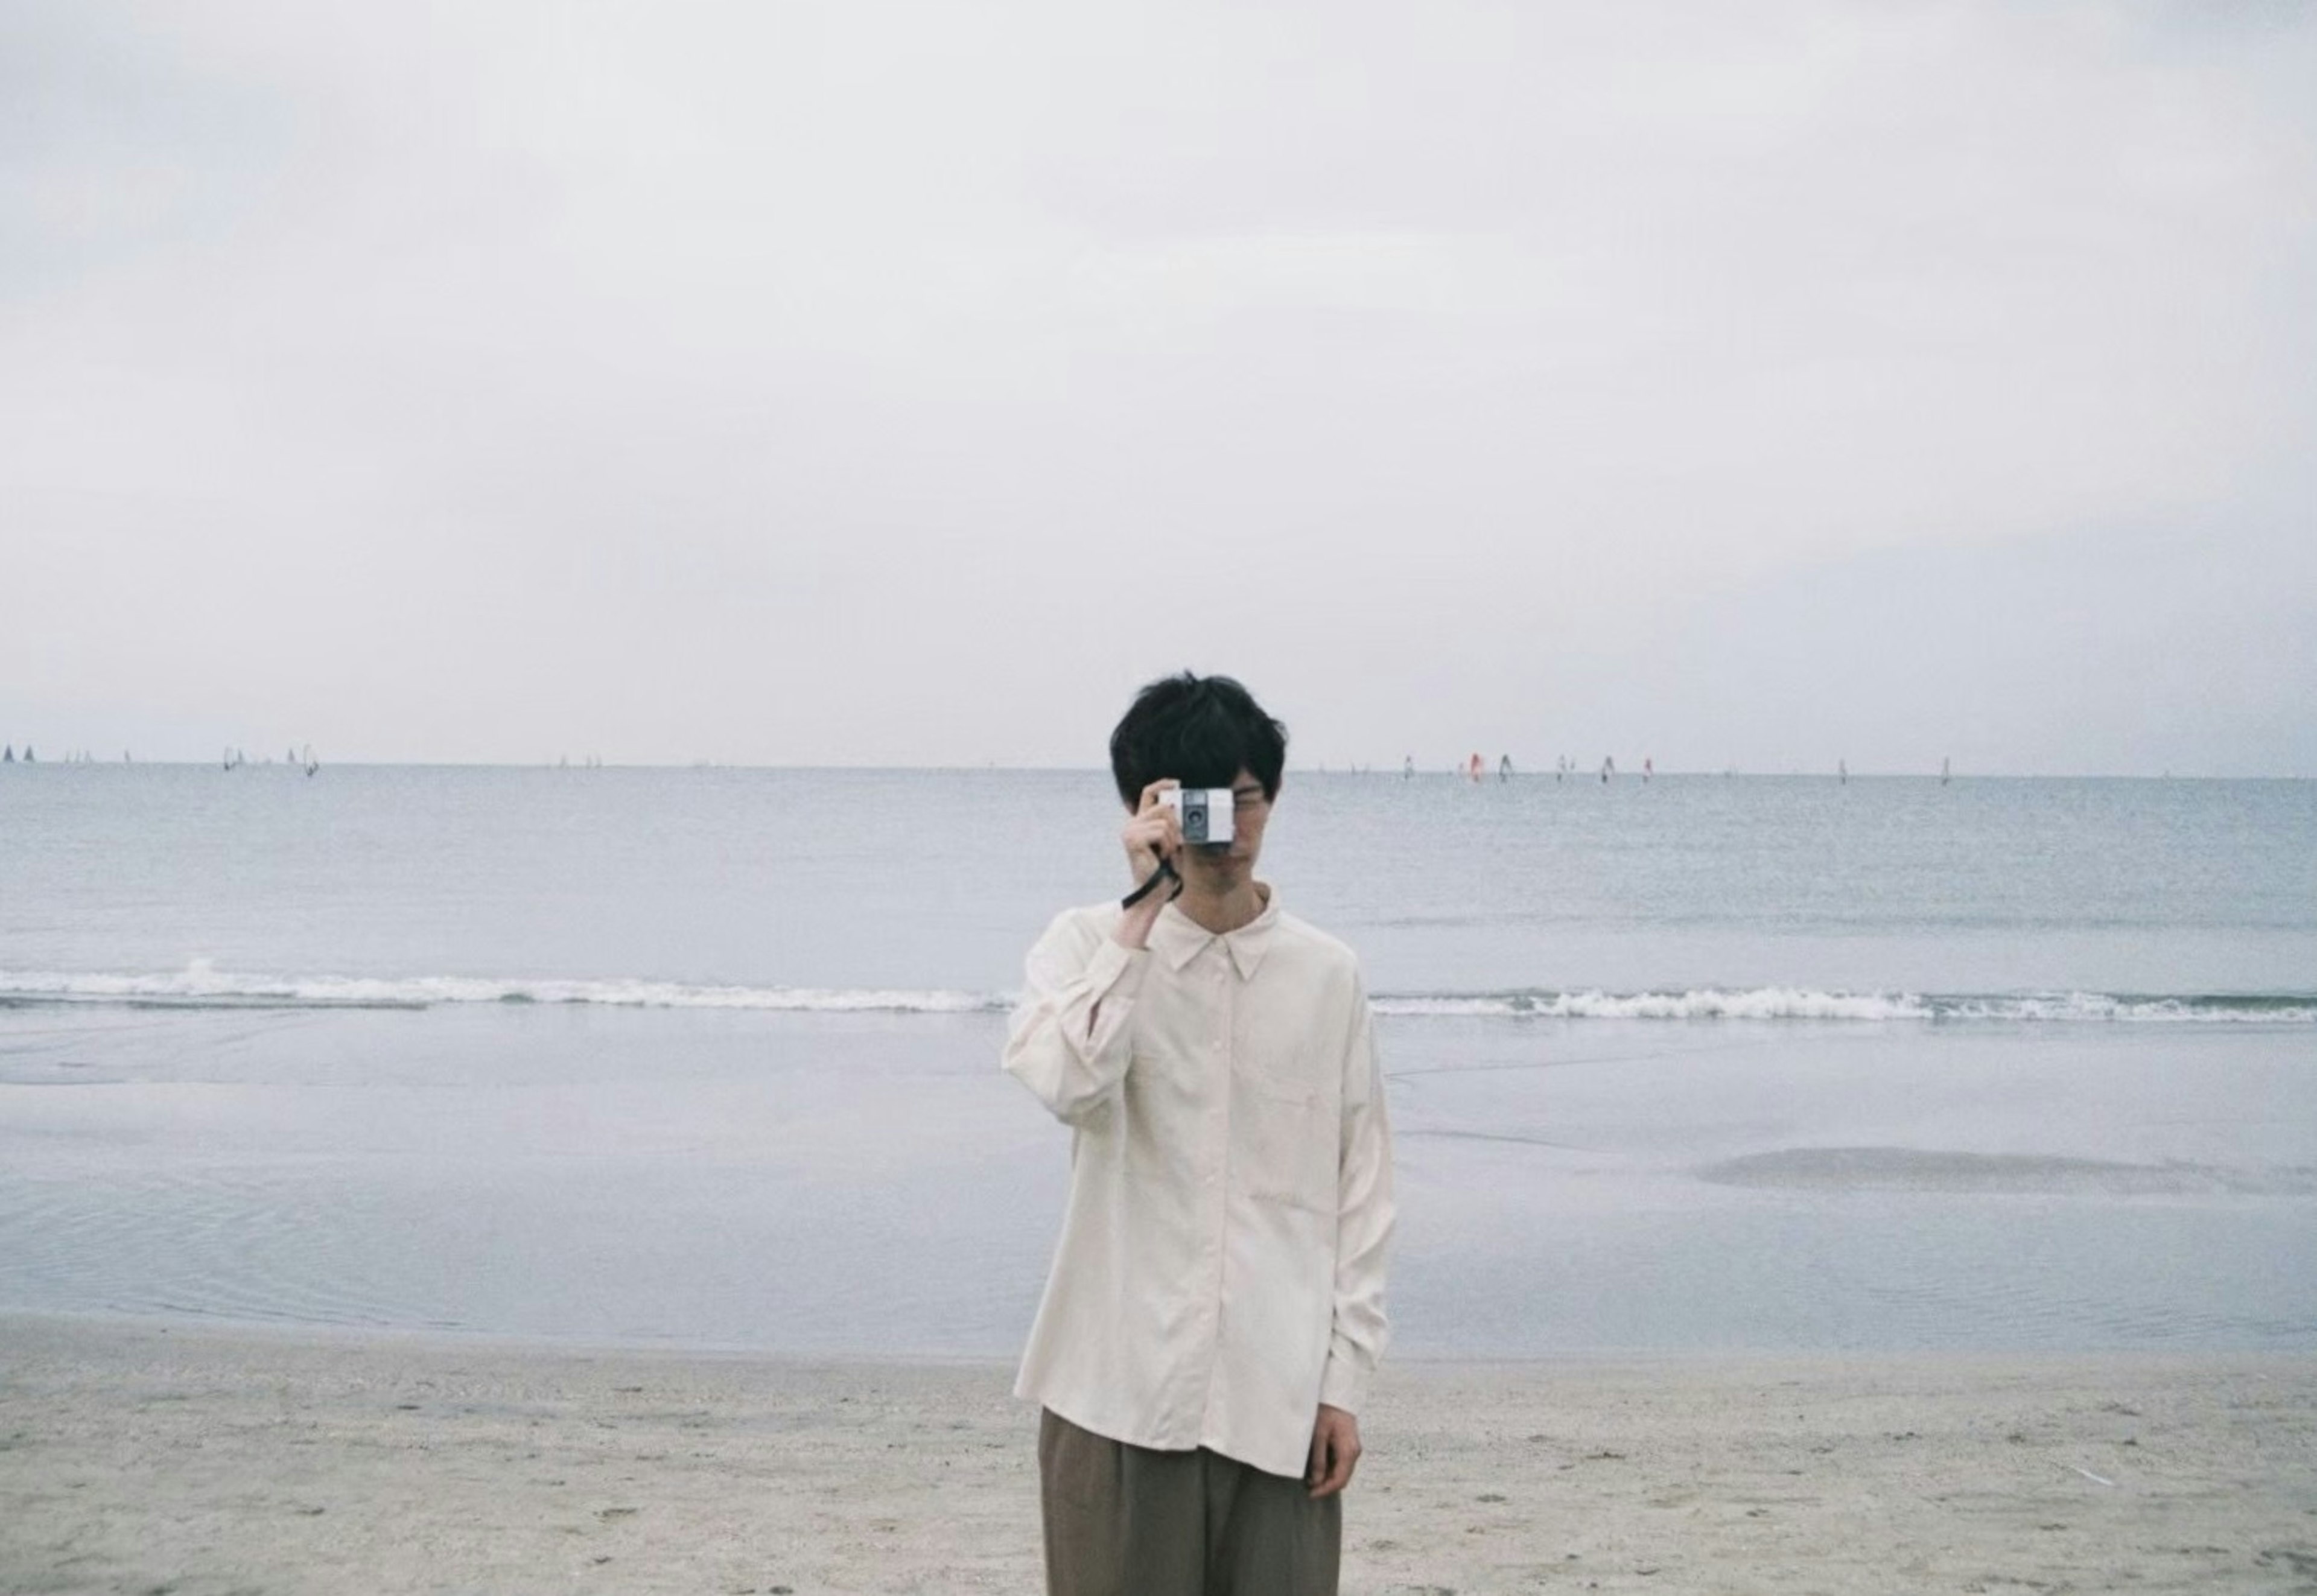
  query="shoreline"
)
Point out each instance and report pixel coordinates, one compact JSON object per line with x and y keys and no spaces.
{"x":194,"y":1327}
{"x":138,"y":1455}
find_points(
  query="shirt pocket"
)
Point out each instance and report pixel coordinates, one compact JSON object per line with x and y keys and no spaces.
{"x":1287,"y":1142}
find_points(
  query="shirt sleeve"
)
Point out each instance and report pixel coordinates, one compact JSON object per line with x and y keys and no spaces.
{"x":1365,"y":1217}
{"x":1069,"y":1040}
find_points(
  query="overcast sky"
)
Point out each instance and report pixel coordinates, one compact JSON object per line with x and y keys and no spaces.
{"x":1751,"y":385}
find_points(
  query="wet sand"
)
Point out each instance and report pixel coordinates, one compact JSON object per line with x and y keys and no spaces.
{"x":136,"y":1457}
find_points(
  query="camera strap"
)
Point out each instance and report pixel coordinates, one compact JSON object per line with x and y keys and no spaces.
{"x":1165,"y":871}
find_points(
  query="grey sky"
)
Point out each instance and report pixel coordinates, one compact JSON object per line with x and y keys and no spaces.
{"x":1751,"y":385}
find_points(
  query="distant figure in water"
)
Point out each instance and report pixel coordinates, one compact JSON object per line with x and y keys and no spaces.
{"x":1608,"y":769}
{"x":1505,"y":768}
{"x":1649,"y":768}
{"x":1473,"y":768}
{"x":1842,"y":771}
{"x":1946,"y":772}
{"x":1407,"y":769}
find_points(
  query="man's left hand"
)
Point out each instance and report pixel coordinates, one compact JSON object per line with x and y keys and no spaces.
{"x":1334,"y":1451}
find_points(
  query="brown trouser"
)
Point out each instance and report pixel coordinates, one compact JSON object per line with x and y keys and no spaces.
{"x":1129,"y":1520}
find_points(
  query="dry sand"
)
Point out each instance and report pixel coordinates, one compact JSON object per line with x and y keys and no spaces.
{"x":134,"y":1457}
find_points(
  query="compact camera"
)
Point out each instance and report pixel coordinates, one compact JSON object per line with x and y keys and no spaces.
{"x":1206,"y":812}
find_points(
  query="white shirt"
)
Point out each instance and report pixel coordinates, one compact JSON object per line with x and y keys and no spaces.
{"x":1220,"y":1271}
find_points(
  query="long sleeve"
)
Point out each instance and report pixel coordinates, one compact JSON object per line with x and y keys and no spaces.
{"x":1365,"y":1217}
{"x":1069,"y":1040}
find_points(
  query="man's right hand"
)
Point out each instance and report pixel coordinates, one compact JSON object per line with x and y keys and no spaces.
{"x":1154,"y":832}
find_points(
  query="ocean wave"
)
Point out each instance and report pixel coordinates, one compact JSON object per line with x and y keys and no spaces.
{"x":199,"y":985}
{"x":1709,"y":1003}
{"x":1794,"y":1003}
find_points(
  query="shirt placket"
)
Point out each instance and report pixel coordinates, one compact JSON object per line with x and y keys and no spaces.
{"x":1215,"y":974}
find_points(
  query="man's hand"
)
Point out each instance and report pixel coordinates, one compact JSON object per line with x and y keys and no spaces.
{"x":1334,"y":1451}
{"x":1154,"y":832}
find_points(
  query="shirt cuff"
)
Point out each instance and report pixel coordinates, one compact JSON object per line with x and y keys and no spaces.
{"x":1112,"y":963}
{"x":1344,"y":1384}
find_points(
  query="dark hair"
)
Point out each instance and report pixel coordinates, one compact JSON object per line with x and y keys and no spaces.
{"x":1202,"y":731}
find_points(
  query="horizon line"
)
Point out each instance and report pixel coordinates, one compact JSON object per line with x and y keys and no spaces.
{"x":1585,"y":773}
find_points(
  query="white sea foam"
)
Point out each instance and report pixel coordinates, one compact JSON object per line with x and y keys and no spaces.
{"x":198,"y":984}
{"x":1708,"y":1003}
{"x":201,"y":985}
{"x":1792,"y":1003}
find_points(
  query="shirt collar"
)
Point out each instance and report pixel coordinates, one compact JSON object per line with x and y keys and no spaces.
{"x":1179,"y":938}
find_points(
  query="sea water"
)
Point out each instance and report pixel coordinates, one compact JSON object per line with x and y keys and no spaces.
{"x":709,"y":1056}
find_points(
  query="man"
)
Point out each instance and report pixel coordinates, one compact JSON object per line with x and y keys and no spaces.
{"x":1216,"y":1305}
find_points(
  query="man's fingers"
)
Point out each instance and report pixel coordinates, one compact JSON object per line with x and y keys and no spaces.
{"x":1156,"y":823}
{"x":1324,"y":1486}
{"x":1340,"y":1460}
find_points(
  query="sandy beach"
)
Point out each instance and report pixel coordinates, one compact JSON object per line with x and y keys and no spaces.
{"x":139,"y":1457}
